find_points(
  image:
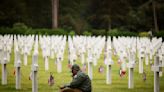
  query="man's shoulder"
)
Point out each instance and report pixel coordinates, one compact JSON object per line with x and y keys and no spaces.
{"x":81,"y":74}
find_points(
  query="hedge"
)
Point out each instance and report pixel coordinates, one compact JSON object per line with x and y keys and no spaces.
{"x":20,"y":28}
{"x":116,"y":32}
{"x":29,"y":31}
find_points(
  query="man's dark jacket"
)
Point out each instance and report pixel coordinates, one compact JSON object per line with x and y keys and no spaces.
{"x":81,"y":81}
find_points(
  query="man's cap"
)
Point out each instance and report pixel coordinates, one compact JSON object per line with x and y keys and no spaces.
{"x":75,"y":67}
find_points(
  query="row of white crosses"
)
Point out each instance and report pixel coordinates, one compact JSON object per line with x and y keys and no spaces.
{"x":153,"y":48}
{"x":145,"y":48}
{"x":125,"y":49}
{"x":20,"y":48}
{"x":81,"y":45}
{"x":60,"y":48}
{"x":95,"y":46}
{"x":45,"y":44}
{"x":27,"y":47}
{"x":148,"y":48}
{"x":144,"y":52}
{"x":9,"y":44}
{"x":5,"y":52}
{"x":25,"y":44}
{"x":120,"y":47}
{"x":71,"y":51}
{"x":98,"y":48}
{"x":6,"y":45}
{"x":53,"y":46}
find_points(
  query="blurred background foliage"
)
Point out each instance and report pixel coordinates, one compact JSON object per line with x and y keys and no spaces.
{"x":89,"y":17}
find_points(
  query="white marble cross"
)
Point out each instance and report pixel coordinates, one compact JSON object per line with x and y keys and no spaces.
{"x":35,"y":71}
{"x":25,"y":56}
{"x":59,"y":61}
{"x":131,"y":65}
{"x":156,"y":68}
{"x":90,"y":66}
{"x":109,"y":63}
{"x":18,"y":69}
{"x":4,"y":67}
{"x":141,"y":60}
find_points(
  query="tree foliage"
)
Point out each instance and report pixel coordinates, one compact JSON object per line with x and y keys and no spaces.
{"x":83,"y":15}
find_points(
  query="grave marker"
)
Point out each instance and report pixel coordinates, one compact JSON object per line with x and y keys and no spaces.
{"x":131,"y":65}
{"x":141,"y":59}
{"x":18,"y":71}
{"x":156,"y":68}
{"x":35,"y":72}
{"x":109,"y":69}
{"x":4,"y":68}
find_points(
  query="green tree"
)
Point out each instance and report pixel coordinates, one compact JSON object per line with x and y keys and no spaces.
{"x":106,"y":14}
{"x":72,"y":15}
{"x":12,"y":11}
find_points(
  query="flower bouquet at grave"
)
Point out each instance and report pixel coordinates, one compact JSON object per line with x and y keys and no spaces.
{"x":69,"y":65}
{"x":101,"y":69}
{"x":14,"y":71}
{"x":122,"y":72}
{"x":119,"y":61}
{"x":51,"y":80}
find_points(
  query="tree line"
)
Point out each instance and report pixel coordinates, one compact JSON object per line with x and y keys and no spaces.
{"x":85,"y":15}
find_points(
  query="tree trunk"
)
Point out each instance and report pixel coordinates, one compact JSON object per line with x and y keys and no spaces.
{"x":55,"y":14}
{"x":155,"y":16}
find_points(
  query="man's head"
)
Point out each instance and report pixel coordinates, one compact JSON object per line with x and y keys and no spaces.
{"x":75,"y":68}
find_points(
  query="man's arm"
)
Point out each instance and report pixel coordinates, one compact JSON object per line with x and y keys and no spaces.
{"x":64,"y":86}
{"x":77,"y":81}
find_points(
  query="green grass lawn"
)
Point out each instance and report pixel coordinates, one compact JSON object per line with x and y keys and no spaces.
{"x":98,"y":82}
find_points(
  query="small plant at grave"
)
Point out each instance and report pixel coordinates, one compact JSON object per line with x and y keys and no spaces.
{"x":121,"y":32}
{"x":72,"y":33}
{"x":144,"y":34}
{"x":86,"y":33}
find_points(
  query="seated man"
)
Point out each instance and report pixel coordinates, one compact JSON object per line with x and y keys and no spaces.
{"x":80,"y":82}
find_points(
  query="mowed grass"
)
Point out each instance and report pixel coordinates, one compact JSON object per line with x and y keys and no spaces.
{"x":98,"y":82}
